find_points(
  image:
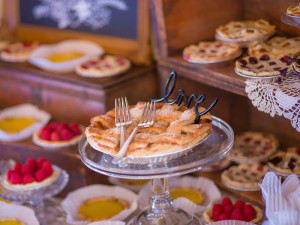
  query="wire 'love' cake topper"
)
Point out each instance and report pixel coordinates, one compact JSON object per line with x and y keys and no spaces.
{"x":183,"y":96}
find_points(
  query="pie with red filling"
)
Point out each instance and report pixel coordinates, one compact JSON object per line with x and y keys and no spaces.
{"x":104,"y":66}
{"x":210,"y":51}
{"x":18,"y":52}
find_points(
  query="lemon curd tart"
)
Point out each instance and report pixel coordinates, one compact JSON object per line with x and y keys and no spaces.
{"x":196,"y":196}
{"x":101,"y":208}
{"x":10,"y":221}
{"x":64,"y":56}
{"x":16,"y":124}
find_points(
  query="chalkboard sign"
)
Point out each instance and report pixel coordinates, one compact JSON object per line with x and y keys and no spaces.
{"x":116,"y":18}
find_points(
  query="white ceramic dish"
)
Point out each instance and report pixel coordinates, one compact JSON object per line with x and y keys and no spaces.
{"x":39,"y":56}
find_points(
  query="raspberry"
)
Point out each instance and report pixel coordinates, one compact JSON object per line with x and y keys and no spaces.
{"x":32,"y":163}
{"x":40,"y":175}
{"x":249,"y":214}
{"x":74,"y":127}
{"x":62,"y":126}
{"x":16,"y":178}
{"x":27,"y":169}
{"x":264,"y":57}
{"x":65,"y":134}
{"x":216,"y":212}
{"x":18,"y":167}
{"x":237,"y":215}
{"x":218,"y":207}
{"x":54,"y":136}
{"x":253,"y":60}
{"x":228,"y":209}
{"x":28,"y":179}
{"x":226,"y":201}
{"x":223,"y":216}
{"x":46,"y":134}
{"x":9,"y":173}
{"x":53,"y":126}
{"x":40,"y":162}
{"x":247,"y":206}
{"x":239,"y":204}
{"x":47,"y":167}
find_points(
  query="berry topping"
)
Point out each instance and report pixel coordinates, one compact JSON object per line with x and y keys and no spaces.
{"x":228,"y":209}
{"x":32,"y":163}
{"x":243,"y":61}
{"x":260,"y":168}
{"x":226,"y":201}
{"x":252,"y":60}
{"x":186,"y":57}
{"x":40,"y":162}
{"x":272,"y":63}
{"x":298,"y":61}
{"x":292,"y":164}
{"x":60,"y":131}
{"x":27,"y":169}
{"x":9,"y":173}
{"x":217,"y":211}
{"x":54,"y":136}
{"x":66,"y":134}
{"x":40,"y":175}
{"x":47,"y":167}
{"x":219,"y":45}
{"x":276,"y":160}
{"x":28,"y":179}
{"x":17,"y":167}
{"x":264,"y":58}
{"x":260,"y":67}
{"x":239,"y":204}
{"x":16,"y":178}
{"x":237,"y":214}
{"x":223,"y":216}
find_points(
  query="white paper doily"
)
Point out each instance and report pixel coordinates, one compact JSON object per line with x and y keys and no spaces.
{"x":275,"y":98}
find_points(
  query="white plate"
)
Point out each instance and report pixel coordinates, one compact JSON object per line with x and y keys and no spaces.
{"x":87,"y":48}
{"x":256,"y":77}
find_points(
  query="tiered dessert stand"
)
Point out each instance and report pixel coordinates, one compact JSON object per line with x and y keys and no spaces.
{"x":161,"y":210}
{"x":35,"y":197}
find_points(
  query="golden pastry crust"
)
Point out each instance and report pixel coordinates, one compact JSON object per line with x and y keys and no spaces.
{"x":200,"y":194}
{"x":172,"y":130}
{"x":18,"y":52}
{"x":82,"y":216}
{"x":296,"y":65}
{"x":248,"y":29}
{"x":257,"y":220}
{"x":293,"y":10}
{"x":210,"y":51}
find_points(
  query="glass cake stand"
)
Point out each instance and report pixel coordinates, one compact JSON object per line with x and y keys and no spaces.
{"x":161,"y":210}
{"x":35,"y":197}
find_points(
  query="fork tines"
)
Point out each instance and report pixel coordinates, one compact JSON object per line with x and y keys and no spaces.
{"x":122,"y":113}
{"x":148,"y":115}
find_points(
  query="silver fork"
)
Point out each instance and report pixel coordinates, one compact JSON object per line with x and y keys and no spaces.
{"x":122,"y":117}
{"x":147,"y":120}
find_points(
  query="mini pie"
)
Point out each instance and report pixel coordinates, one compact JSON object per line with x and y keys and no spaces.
{"x":293,"y":10}
{"x":101,"y":208}
{"x":210,"y":51}
{"x":286,"y":162}
{"x":263,"y":65}
{"x":253,"y":146}
{"x":244,"y":176}
{"x":276,"y":46}
{"x":10,"y":221}
{"x":296,"y":65}
{"x":248,"y":29}
{"x":104,"y":66}
{"x":173,"y":130}
{"x":18,"y":52}
{"x":193,"y":195}
{"x":16,"y":124}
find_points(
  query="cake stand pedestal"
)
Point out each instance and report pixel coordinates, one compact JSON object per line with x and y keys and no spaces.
{"x":161,"y":210}
{"x":34,"y":198}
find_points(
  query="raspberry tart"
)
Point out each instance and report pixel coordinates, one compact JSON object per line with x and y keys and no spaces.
{"x":286,"y":162}
{"x":226,"y":210}
{"x":18,"y":52}
{"x":214,"y":51}
{"x":33,"y":174}
{"x":263,"y":66}
{"x":58,"y":134}
{"x":104,"y":66}
{"x":253,"y":147}
{"x":173,"y":130}
{"x":244,"y":176}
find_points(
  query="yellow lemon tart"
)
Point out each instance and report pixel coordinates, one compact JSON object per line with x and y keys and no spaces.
{"x":101,"y":208}
{"x":64,"y":56}
{"x":3,"y":200}
{"x":193,"y":195}
{"x":134,"y":182}
{"x":10,"y":221}
{"x":15,"y":124}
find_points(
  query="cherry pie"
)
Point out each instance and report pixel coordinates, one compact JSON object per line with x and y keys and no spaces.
{"x":210,"y":51}
{"x":104,"y":66}
{"x":18,"y":52}
{"x":263,"y":65}
{"x":244,"y":176}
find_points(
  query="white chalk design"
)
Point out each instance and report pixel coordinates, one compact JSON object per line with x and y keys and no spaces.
{"x":73,"y":13}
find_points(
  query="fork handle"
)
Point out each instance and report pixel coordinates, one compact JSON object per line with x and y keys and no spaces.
{"x":122,"y":138}
{"x":123,"y":150}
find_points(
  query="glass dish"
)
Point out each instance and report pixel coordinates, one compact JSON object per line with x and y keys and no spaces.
{"x":291,"y":20}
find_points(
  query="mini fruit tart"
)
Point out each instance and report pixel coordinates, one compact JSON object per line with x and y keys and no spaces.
{"x":18,"y":52}
{"x":33,"y":174}
{"x":263,"y":65}
{"x":286,"y":162}
{"x":214,"y":51}
{"x":244,"y":176}
{"x":226,"y":210}
{"x":253,"y":147}
{"x":58,"y":134}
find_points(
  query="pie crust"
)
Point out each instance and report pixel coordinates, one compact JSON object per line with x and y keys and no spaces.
{"x":263,"y":65}
{"x":293,"y":10}
{"x":173,"y":130}
{"x":106,"y":208}
{"x":196,"y":196}
{"x":296,"y":65}
{"x":253,"y":146}
{"x":244,"y":176}
{"x":34,"y":184}
{"x":276,"y":46}
{"x":18,"y":52}
{"x":248,"y":29}
{"x":210,"y":51}
{"x":104,"y":66}
{"x":257,"y":220}
{"x":56,"y":144}
{"x":10,"y":221}
{"x":285,"y":162}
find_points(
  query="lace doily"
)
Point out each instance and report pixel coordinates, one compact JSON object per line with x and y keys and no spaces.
{"x":275,"y":98}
